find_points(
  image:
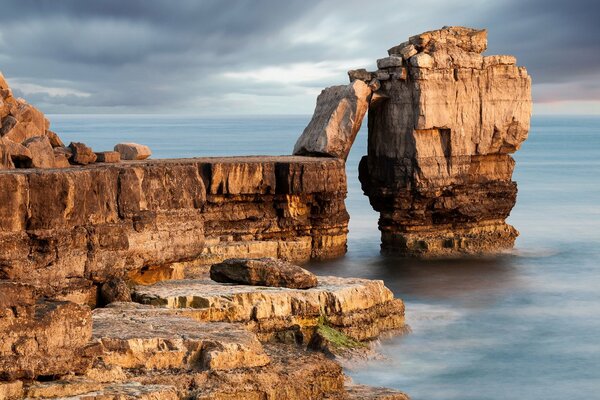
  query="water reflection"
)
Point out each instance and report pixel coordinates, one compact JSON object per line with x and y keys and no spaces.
{"x":468,"y":280}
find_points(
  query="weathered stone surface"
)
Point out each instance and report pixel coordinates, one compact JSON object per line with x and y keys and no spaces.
{"x":362,"y":392}
{"x":360,"y":308}
{"x":55,"y":140}
{"x":108,"y":156}
{"x":137,"y":336}
{"x":133,"y":151}
{"x":336,"y":121}
{"x":42,"y":155}
{"x":103,"y":221}
{"x":44,"y":338}
{"x":438,"y":167}
{"x":30,"y":122}
{"x":11,"y":390}
{"x":262,"y":272}
{"x":8,"y":123}
{"x":115,"y":289}
{"x":90,"y":390}
{"x":14,"y":154}
{"x":389,"y":62}
{"x":360,"y":74}
{"x":82,"y":154}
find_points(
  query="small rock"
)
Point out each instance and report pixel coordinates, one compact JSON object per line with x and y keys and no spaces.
{"x":82,"y":154}
{"x":263,"y":272}
{"x":421,"y":60}
{"x":389,"y":62}
{"x":395,"y":51}
{"x":133,"y":151}
{"x":42,"y":155}
{"x":108,"y":156}
{"x":408,"y":51}
{"x":115,"y":290}
{"x":8,"y":123}
{"x":54,"y":139}
{"x":360,"y":74}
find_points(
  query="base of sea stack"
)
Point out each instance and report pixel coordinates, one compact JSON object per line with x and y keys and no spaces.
{"x":450,"y":242}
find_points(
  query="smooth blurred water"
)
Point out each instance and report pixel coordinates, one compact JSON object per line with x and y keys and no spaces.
{"x":525,"y":326}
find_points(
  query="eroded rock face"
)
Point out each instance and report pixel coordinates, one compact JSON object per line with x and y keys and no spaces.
{"x":438,"y":167}
{"x":336,"y":121}
{"x":41,"y":337}
{"x":99,"y":222}
{"x":262,"y":272}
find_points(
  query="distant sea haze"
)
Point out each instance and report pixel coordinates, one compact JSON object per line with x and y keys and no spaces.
{"x":524,"y":324}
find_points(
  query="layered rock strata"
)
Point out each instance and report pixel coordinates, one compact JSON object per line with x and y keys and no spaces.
{"x":441,"y":131}
{"x":67,"y":230}
{"x":362,"y":309}
{"x":196,"y":339}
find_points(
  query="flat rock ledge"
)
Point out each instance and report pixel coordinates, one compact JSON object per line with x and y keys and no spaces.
{"x":200,"y":339}
{"x":360,"y":308}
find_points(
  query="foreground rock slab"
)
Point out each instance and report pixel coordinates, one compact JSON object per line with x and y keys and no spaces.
{"x":360,"y":308}
{"x":137,"y":336}
{"x":89,"y":390}
{"x":336,"y":121}
{"x":438,"y":167}
{"x":262,"y":272}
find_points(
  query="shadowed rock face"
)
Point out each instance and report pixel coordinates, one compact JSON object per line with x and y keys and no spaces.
{"x":438,"y":167}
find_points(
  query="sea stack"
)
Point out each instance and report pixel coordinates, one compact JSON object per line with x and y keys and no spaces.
{"x":442,"y":127}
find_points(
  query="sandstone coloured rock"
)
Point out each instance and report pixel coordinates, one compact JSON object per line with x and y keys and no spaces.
{"x":336,"y":121}
{"x":115,"y":290}
{"x":438,"y":167}
{"x":108,"y":156}
{"x":262,"y":272}
{"x":133,"y":151}
{"x":82,"y":154}
{"x":42,"y":155}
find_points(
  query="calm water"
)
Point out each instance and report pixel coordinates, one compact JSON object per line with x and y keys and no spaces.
{"x":525,"y":326}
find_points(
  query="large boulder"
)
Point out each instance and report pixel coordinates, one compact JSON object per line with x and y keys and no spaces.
{"x":336,"y":121}
{"x":133,"y":151}
{"x":263,"y":272}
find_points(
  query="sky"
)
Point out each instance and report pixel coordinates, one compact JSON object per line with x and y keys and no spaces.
{"x":232,"y":57}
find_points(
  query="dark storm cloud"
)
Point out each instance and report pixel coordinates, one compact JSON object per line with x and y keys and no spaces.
{"x":232,"y":56}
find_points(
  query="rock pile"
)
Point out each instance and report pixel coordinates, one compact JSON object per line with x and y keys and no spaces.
{"x":26,"y":140}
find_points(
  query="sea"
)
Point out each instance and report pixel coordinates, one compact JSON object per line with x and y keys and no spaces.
{"x":523,"y":325}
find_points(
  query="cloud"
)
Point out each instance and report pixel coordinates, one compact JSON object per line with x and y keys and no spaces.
{"x":263,"y":56}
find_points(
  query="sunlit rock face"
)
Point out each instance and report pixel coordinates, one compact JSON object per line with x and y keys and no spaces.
{"x":439,"y":168}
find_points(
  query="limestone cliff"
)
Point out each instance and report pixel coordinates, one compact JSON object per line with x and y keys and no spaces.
{"x":441,"y":131}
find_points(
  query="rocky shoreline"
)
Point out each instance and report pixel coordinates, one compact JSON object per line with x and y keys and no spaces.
{"x":128,"y":278}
